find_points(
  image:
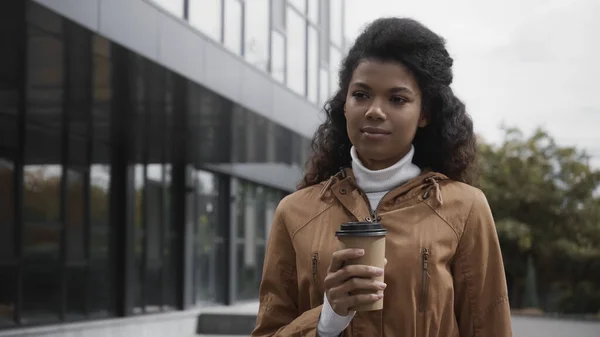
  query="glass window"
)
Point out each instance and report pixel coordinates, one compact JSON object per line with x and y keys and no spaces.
{"x":9,"y":147}
{"x":78,"y":103}
{"x":296,"y":52}
{"x":313,"y":11}
{"x":334,"y":67}
{"x":278,"y":14}
{"x":209,"y":242}
{"x":255,"y":208}
{"x":173,"y":6}
{"x":206,"y":16}
{"x":256,"y":46}
{"x":335,"y":23}
{"x":299,"y":4}
{"x":42,"y":177}
{"x":323,"y":86}
{"x":233,"y":28}
{"x":100,"y":274}
{"x":278,"y":56}
{"x":313,"y":64}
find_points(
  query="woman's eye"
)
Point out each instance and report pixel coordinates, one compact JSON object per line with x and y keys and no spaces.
{"x":397,"y":100}
{"x":360,"y":95}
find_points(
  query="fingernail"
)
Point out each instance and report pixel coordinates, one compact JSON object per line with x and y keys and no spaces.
{"x":378,"y":271}
{"x":360,"y":252}
{"x":382,"y":285}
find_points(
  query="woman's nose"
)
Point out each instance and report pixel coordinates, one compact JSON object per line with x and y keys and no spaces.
{"x":375,"y":112}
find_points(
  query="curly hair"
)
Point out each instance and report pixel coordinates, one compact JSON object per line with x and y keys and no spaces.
{"x":446,"y":145}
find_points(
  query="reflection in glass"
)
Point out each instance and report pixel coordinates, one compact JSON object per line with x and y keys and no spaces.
{"x":335,"y":23}
{"x":139,"y":236}
{"x":313,"y":64}
{"x":41,"y":245}
{"x":278,"y":56}
{"x":233,"y":28}
{"x":255,"y":207}
{"x":256,"y":25}
{"x":8,"y":275}
{"x":313,"y":10}
{"x":324,"y":86}
{"x":206,"y":16}
{"x":296,"y":55}
{"x":334,"y":67}
{"x":209,"y":244}
{"x":173,"y":6}
{"x":7,"y":216}
{"x":299,"y":4}
{"x":153,"y":194}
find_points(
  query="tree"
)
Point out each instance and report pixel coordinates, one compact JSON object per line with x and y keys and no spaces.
{"x":542,"y":196}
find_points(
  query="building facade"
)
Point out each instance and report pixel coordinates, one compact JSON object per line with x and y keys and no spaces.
{"x":144,"y":145}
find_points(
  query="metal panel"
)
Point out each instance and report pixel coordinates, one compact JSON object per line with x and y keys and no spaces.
{"x":181,"y":48}
{"x":84,"y":12}
{"x":257,"y":92}
{"x":133,"y":24}
{"x":223,"y":72}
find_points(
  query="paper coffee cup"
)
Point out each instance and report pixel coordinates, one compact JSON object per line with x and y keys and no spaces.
{"x":369,"y":236}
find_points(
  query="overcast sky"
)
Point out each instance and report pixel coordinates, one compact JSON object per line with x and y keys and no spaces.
{"x":524,"y":63}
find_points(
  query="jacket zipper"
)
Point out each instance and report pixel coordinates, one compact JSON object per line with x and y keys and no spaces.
{"x":315,"y":266}
{"x":424,"y":279}
{"x":374,"y":217}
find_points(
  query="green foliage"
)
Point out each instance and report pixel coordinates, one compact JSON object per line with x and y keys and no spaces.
{"x":544,"y":202}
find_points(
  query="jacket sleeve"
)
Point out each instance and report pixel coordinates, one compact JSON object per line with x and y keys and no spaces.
{"x":278,"y":314}
{"x":481,"y":297}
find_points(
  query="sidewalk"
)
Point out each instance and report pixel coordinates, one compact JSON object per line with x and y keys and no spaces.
{"x":523,"y":326}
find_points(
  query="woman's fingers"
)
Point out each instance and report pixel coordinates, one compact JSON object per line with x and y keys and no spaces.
{"x":340,"y":257}
{"x":351,"y":271}
{"x":354,"y":284}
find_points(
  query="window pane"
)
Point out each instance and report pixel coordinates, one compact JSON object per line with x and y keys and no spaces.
{"x":278,"y":56}
{"x":206,"y":16}
{"x":8,"y":275}
{"x":313,"y":10}
{"x":173,"y":6}
{"x":78,"y":105}
{"x":299,"y":4}
{"x":208,"y":242}
{"x":335,"y":17}
{"x":99,"y":291}
{"x":313,"y":64}
{"x":296,"y":53}
{"x":153,"y":193}
{"x":278,"y":14}
{"x":256,"y":48}
{"x":42,"y":177}
{"x":334,"y":67}
{"x":9,"y":98}
{"x":323,"y":86}
{"x":233,"y":28}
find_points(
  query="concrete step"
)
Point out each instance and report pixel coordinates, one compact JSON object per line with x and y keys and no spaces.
{"x":226,"y":324}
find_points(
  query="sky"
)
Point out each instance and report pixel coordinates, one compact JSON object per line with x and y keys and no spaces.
{"x":519,"y":63}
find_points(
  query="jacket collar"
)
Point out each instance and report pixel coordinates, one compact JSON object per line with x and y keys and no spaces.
{"x":343,"y":186}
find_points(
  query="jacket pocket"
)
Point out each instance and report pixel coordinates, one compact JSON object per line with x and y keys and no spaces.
{"x":423,"y":298}
{"x":315,"y":267}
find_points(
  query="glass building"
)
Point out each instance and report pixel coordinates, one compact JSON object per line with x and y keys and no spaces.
{"x":143,"y":148}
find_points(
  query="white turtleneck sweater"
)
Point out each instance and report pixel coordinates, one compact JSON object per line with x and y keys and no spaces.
{"x":375,"y":184}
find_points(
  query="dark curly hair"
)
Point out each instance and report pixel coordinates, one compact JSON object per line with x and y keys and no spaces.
{"x":446,"y":145}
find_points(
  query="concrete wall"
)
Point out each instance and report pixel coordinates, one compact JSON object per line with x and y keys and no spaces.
{"x":147,"y":30}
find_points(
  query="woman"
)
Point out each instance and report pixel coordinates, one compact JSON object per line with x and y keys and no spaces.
{"x":407,"y":149}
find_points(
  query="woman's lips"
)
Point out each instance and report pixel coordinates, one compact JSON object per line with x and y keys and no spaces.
{"x":374,"y":133}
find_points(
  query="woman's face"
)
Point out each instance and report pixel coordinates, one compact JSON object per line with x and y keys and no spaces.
{"x":383,"y":111}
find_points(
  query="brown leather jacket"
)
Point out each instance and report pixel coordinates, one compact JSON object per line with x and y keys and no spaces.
{"x":445,"y":273}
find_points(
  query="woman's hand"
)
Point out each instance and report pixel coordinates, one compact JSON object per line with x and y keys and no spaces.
{"x":342,"y":279}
